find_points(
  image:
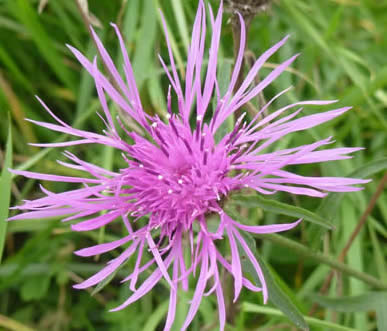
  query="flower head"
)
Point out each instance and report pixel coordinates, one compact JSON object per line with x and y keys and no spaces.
{"x":177,"y":174}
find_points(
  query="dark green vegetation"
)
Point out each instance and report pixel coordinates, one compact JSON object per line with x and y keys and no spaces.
{"x":343,"y":45}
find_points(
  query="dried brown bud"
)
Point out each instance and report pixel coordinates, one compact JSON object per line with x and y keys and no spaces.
{"x":248,"y":8}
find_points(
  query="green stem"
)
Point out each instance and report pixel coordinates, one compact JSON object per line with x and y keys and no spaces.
{"x":329,"y":260}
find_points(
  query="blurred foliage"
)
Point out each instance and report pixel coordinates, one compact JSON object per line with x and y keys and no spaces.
{"x":343,"y":45}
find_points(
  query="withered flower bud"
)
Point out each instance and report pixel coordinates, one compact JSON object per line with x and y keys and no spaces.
{"x":248,"y":8}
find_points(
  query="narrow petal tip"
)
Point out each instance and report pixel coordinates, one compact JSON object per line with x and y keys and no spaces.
{"x":79,"y":286}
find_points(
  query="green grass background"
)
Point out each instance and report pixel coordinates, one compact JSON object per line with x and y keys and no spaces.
{"x":343,"y":49}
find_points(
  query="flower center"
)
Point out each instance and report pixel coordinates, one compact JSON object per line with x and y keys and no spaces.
{"x":177,"y":179}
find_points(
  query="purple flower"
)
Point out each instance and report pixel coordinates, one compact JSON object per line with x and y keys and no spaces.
{"x":177,"y":174}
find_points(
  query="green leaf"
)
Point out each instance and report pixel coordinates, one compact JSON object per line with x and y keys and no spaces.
{"x":175,"y":49}
{"x":364,"y":302}
{"x":253,"y":308}
{"x":105,"y":282}
{"x":355,"y":96}
{"x":143,"y":57}
{"x":23,"y":10}
{"x":330,"y":204}
{"x":130,"y":21}
{"x":44,"y":152}
{"x":108,"y":279}
{"x":181,"y":309}
{"x":223,"y":80}
{"x":13,"y":325}
{"x":155,"y":318}
{"x":9,"y":63}
{"x":370,"y":301}
{"x":307,"y":26}
{"x":276,"y":295}
{"x":277,"y":207}
{"x":379,"y":258}
{"x":86,"y":83}
{"x":317,"y":257}
{"x":5,"y":187}
{"x":35,"y":287}
{"x":181,"y":22}
{"x":370,"y":168}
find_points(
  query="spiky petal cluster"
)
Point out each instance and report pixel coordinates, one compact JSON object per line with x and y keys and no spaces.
{"x":176,"y":175}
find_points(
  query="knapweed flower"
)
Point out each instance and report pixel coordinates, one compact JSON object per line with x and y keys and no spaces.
{"x":176,"y":173}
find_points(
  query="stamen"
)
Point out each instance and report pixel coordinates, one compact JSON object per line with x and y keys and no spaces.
{"x":201,"y":144}
{"x":174,"y":128}
{"x":164,"y":151}
{"x":169,"y":102}
{"x":187,"y":145}
{"x":158,"y":134}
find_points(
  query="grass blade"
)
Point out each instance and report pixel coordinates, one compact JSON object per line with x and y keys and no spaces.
{"x":5,"y":187}
{"x":23,"y":10}
{"x":181,"y":22}
{"x":143,"y":57}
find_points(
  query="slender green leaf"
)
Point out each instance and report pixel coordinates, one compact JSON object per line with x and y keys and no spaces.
{"x":307,"y":252}
{"x":253,"y":308}
{"x":369,"y":301}
{"x":11,"y":324}
{"x":143,"y":57}
{"x":10,"y":64}
{"x":69,"y":25}
{"x":354,"y":95}
{"x":86,"y":84}
{"x":156,"y":317}
{"x":44,"y":152}
{"x":364,"y":302}
{"x":181,"y":22}
{"x":370,"y":168}
{"x":379,"y":258}
{"x":128,"y":28}
{"x":277,"y":207}
{"x":175,"y":48}
{"x":103,"y":283}
{"x":307,"y":26}
{"x":23,"y":10}
{"x":330,"y":204}
{"x":276,"y":295}
{"x":355,"y":256}
{"x":224,"y":79}
{"x":181,"y":309}
{"x":5,"y":189}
